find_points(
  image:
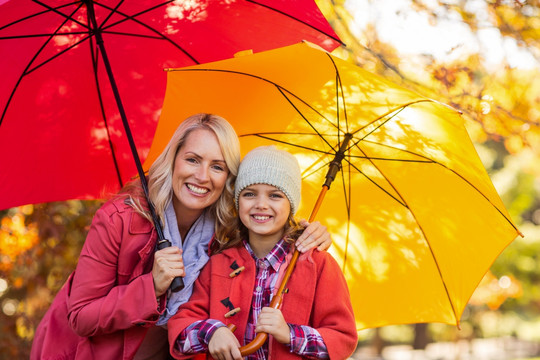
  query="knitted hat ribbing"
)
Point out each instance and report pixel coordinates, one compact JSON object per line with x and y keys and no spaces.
{"x":271,"y":166}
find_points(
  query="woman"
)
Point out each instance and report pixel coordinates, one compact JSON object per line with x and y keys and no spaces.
{"x":116,"y":301}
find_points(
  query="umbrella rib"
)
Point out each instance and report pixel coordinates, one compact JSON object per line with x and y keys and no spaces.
{"x":348,"y":207}
{"x":402,"y":203}
{"x":160,"y":35}
{"x":314,"y":171}
{"x":339,"y":90}
{"x":303,"y":117}
{"x":393,"y":112}
{"x":430,"y":160}
{"x":26,"y":72}
{"x":53,"y":57}
{"x":42,"y":35}
{"x":265,"y":80}
{"x":262,"y":136}
{"x":127,"y":17}
{"x":133,"y":35}
{"x":115,"y":9}
{"x":33,"y":15}
{"x":294,"y":18}
{"x":94,"y":57}
{"x":423,"y":233}
{"x":64,"y":15}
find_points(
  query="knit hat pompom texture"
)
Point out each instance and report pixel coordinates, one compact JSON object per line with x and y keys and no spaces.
{"x":272,"y":166}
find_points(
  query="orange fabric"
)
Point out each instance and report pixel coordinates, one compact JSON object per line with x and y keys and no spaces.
{"x":413,"y":213}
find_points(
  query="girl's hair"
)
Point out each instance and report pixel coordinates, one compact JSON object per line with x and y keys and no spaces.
{"x":235,"y":231}
{"x":160,"y":185}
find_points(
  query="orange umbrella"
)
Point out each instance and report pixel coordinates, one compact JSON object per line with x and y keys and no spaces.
{"x":415,"y":219}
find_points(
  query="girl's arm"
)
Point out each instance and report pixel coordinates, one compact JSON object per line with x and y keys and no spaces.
{"x":303,"y":340}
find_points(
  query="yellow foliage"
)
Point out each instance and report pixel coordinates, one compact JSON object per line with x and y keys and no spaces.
{"x":16,"y":237}
{"x":25,"y":330}
{"x":493,"y":291}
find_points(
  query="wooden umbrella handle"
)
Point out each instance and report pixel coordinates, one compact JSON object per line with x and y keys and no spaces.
{"x":261,"y":337}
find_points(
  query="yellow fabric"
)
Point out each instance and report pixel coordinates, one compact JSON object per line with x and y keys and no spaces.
{"x":425,"y":220}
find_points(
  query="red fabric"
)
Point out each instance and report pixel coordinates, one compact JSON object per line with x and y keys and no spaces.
{"x":110,"y":299}
{"x":53,"y":131}
{"x":318,"y":297}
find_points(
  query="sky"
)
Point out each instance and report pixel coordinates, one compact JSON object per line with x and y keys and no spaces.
{"x":411,"y":33}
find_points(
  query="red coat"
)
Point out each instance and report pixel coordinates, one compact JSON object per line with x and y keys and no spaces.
{"x":318,"y":297}
{"x":111,"y":301}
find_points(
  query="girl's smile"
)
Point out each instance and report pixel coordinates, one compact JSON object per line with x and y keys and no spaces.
{"x":264,"y":210}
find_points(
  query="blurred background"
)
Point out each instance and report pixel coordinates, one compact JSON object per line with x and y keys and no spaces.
{"x":479,"y":56}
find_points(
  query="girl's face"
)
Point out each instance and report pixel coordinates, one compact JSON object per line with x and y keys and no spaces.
{"x":199,"y":173}
{"x":264,"y":210}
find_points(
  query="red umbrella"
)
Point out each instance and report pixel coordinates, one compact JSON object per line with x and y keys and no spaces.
{"x":62,"y":126}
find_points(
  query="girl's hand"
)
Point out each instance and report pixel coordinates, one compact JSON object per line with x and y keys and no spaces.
{"x":223,"y":345}
{"x":168,"y":264}
{"x":271,"y":321}
{"x":314,"y":235}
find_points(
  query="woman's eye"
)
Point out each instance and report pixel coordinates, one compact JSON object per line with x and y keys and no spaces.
{"x":191,"y":160}
{"x":218,"y":168}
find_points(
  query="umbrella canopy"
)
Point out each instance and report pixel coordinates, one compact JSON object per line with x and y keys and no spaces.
{"x":61,"y":129}
{"x":415,"y":219}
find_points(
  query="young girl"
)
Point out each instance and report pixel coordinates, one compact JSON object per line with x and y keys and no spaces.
{"x":316,"y":318}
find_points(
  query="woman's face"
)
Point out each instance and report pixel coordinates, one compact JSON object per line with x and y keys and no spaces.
{"x":199,"y":173}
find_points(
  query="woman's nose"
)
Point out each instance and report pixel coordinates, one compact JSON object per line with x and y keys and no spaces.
{"x":202,"y":173}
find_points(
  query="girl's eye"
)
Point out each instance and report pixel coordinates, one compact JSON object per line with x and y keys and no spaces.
{"x":276,"y":195}
{"x":247,"y":194}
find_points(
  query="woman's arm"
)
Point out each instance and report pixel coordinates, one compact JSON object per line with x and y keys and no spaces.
{"x":97,"y":303}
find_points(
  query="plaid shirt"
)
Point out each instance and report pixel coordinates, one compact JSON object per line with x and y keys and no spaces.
{"x":305,"y":340}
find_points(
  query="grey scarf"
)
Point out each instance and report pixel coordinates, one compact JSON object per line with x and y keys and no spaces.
{"x":195,"y":255}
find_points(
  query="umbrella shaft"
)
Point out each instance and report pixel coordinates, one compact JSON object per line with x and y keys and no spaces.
{"x":335,"y":164}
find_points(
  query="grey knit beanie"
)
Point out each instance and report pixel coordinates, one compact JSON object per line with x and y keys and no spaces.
{"x":271,"y":166}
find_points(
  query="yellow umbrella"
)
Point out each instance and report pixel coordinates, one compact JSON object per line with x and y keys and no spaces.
{"x":415,"y":219}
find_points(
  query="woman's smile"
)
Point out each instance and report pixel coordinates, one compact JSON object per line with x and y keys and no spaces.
{"x":199,"y":173}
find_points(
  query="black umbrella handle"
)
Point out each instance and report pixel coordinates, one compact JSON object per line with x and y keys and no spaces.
{"x":178,"y":283}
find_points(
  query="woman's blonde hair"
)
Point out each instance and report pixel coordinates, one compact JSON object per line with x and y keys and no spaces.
{"x":160,"y":185}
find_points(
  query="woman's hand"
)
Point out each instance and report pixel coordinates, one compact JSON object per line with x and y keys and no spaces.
{"x":168,"y":264}
{"x":314,"y":235}
{"x":223,"y":345}
{"x":271,"y":321}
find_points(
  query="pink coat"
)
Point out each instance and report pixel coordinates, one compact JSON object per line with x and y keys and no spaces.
{"x":318,"y":297}
{"x":109,"y":299}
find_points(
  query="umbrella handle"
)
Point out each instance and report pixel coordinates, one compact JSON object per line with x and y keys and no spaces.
{"x":261,"y":337}
{"x":178,"y":283}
